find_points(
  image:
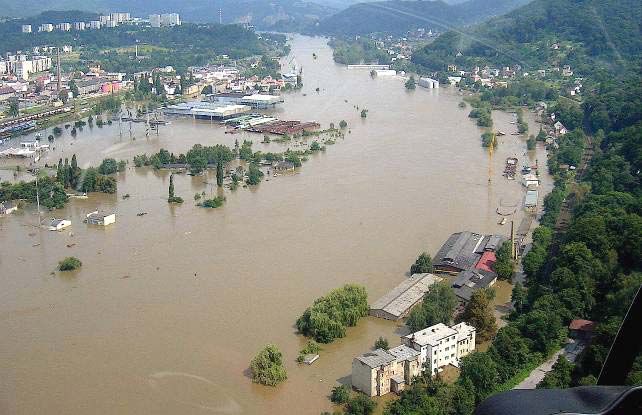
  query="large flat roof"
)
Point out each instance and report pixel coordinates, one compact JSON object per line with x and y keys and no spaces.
{"x":462,"y":250}
{"x":400,"y":299}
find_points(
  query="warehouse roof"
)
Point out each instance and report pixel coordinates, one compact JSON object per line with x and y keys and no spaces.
{"x":462,"y":250}
{"x":403,"y":297}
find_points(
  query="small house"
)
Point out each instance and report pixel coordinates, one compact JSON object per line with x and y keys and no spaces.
{"x":284,"y":166}
{"x":581,"y":329}
{"x":100,"y":219}
{"x":7,"y":208}
{"x":58,"y":224}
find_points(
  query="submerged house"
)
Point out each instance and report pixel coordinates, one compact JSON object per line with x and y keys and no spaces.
{"x":7,"y":208}
{"x":58,"y":224}
{"x":100,"y":219}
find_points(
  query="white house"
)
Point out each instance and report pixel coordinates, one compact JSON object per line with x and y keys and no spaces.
{"x":560,"y":129}
{"x":59,"y":224}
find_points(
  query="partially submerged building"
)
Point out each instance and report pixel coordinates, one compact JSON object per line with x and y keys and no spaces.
{"x":100,"y":219}
{"x":379,"y":372}
{"x":7,"y":208}
{"x":59,"y":224}
{"x":398,"y":302}
{"x":463,"y":250}
{"x":471,"y":280}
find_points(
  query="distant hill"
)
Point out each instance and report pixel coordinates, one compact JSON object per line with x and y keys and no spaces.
{"x":582,"y":33}
{"x":263,"y":14}
{"x":399,"y":16}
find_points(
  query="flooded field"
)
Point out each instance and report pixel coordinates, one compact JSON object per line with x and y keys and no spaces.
{"x":169,"y":308}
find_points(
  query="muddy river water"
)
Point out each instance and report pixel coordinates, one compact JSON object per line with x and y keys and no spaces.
{"x":169,"y":308}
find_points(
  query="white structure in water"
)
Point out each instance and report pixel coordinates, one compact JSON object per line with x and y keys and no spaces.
{"x":100,"y":219}
{"x":59,"y":224}
{"x":428,"y":83}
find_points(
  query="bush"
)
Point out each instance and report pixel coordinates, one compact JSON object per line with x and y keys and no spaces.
{"x":422,"y":265}
{"x":343,"y":124}
{"x":381,"y":343}
{"x":267,"y":367}
{"x":69,"y":264}
{"x":108,"y":166}
{"x":340,"y":394}
{"x":360,"y":405}
{"x":213,"y":203}
{"x":175,"y":199}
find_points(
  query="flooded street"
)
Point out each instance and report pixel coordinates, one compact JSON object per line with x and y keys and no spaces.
{"x":169,"y":308}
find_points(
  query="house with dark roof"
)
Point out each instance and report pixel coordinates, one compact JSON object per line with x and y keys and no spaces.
{"x":471,"y":280}
{"x":581,"y":329}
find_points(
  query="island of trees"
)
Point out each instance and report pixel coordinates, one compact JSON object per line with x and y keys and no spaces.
{"x":329,"y":316}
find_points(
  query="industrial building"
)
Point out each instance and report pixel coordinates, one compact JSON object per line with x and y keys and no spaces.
{"x":530,"y":202}
{"x":258,"y":101}
{"x":206,"y":110}
{"x":463,"y":250}
{"x":397,"y":303}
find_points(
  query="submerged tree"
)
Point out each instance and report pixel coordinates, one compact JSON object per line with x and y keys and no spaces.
{"x":422,"y":265}
{"x":267,"y":367}
{"x":171,"y":197}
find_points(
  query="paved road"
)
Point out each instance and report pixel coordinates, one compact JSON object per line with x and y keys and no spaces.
{"x":571,"y":350}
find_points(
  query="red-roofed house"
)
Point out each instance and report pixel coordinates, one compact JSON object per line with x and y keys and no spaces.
{"x":486,"y":261}
{"x":581,"y":328}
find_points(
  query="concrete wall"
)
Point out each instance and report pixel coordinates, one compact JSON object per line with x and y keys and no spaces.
{"x":364,"y":378}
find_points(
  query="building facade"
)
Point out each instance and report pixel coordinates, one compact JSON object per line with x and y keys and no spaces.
{"x":26,"y":28}
{"x":46,"y":27}
{"x":438,"y":345}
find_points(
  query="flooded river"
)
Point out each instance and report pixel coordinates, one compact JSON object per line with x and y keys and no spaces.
{"x":169,"y":308}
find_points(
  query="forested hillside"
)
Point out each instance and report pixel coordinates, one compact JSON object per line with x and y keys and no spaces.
{"x":581,"y":33}
{"x":399,"y":16}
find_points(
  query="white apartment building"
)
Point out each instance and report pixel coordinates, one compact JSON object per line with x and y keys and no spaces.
{"x":26,"y":28}
{"x":164,"y":20}
{"x":119,"y":17}
{"x":23,"y":67}
{"x":79,"y":25}
{"x":95,"y":24}
{"x":155,"y":20}
{"x":104,"y":19}
{"x":46,"y":27}
{"x":170,"y":19}
{"x":438,"y":345}
{"x":110,"y":23}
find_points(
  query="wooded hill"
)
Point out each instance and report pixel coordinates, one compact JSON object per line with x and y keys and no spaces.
{"x":581,"y":33}
{"x":399,"y":16}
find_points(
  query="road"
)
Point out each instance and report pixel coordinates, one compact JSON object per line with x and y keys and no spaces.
{"x":571,"y":350}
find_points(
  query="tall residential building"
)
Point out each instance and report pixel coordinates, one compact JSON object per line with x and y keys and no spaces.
{"x":119,"y":17}
{"x":65,"y":27}
{"x":79,"y":25}
{"x":110,"y":23}
{"x":170,"y":19}
{"x":95,"y":24}
{"x":155,"y":20}
{"x":46,"y":27}
{"x":104,"y":19}
{"x":26,"y":28}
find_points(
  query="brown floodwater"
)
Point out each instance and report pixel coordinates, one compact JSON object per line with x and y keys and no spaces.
{"x":169,"y":308}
